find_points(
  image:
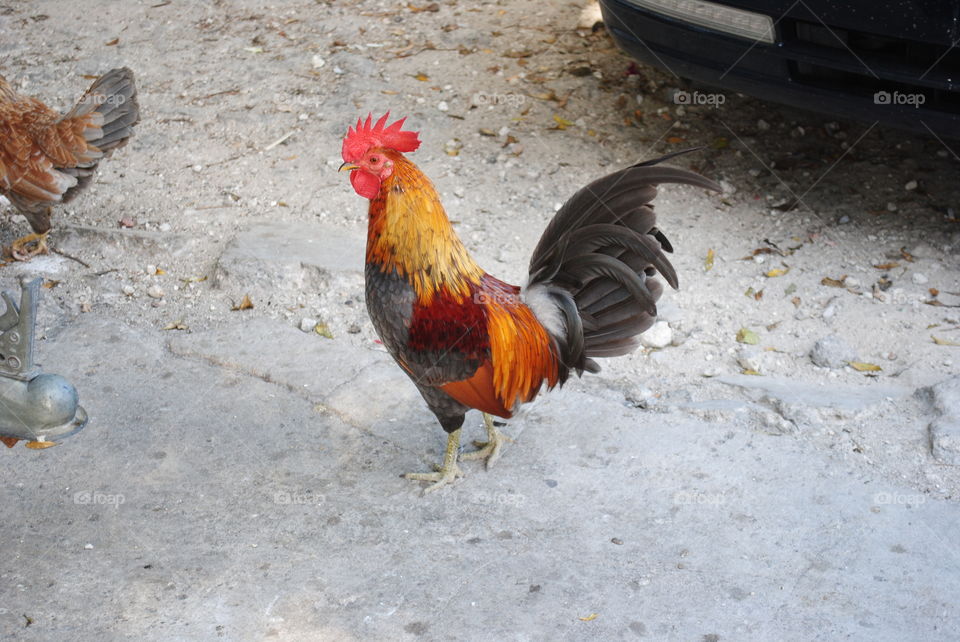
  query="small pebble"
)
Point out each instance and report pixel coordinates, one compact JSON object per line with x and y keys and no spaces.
{"x":658,"y":336}
{"x":307,"y":324}
{"x":910,"y":186}
{"x":155,"y":292}
{"x":127,"y":289}
{"x":728,"y":188}
{"x":88,"y":547}
{"x":617,"y":541}
{"x":164,"y":227}
{"x":844,"y":220}
{"x":318,"y":62}
{"x":919,"y":278}
{"x":443,"y":106}
{"x":151,"y":269}
{"x":891,"y":207}
{"x":763,"y":125}
{"x":832,"y":352}
{"x":749,"y":358}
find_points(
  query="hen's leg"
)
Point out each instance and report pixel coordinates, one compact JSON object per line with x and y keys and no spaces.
{"x":490,"y":449}
{"x":38,"y":216}
{"x":446,"y":473}
{"x":20,"y":251}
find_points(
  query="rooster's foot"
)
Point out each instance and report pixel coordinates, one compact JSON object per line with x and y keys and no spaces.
{"x":448,"y":472}
{"x":490,"y":449}
{"x":20,"y":251}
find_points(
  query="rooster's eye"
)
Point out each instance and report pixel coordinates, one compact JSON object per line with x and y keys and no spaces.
{"x":374,"y":160}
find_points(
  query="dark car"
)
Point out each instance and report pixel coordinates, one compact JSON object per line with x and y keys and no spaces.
{"x":893,"y":62}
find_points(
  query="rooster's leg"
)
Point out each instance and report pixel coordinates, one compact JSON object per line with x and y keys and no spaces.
{"x":490,"y":449}
{"x":446,"y":473}
{"x":19,"y":251}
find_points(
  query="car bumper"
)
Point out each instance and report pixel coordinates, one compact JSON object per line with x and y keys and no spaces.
{"x":803,"y":68}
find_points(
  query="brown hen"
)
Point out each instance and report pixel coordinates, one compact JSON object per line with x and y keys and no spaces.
{"x":46,"y":158}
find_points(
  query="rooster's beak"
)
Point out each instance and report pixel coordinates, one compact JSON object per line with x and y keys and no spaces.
{"x":347,"y":167}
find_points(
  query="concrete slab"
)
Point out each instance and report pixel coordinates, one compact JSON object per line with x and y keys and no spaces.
{"x":208,"y":500}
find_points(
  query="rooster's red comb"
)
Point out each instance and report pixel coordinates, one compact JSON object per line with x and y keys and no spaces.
{"x":369,"y":134}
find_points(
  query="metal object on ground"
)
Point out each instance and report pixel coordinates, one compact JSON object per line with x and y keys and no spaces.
{"x":39,"y":408}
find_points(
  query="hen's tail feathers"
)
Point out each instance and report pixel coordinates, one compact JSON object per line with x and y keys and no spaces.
{"x":109,"y":110}
{"x":592,"y":273}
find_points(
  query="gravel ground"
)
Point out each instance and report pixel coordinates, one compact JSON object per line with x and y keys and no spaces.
{"x":826,"y":229}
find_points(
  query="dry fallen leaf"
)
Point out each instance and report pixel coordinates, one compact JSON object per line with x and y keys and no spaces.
{"x":422,"y":77}
{"x":775,"y":272}
{"x":590,"y":618}
{"x":944,"y":342}
{"x":562,"y":123}
{"x":195,"y":279}
{"x":50,"y":284}
{"x":113,"y":42}
{"x":176,"y":325}
{"x":887,"y":266}
{"x":834,"y":283}
{"x":245,"y":304}
{"x":864,"y":367}
{"x":748,"y":336}
{"x":323,"y":330}
{"x":432,"y":8}
{"x":40,"y":445}
{"x":708,"y":262}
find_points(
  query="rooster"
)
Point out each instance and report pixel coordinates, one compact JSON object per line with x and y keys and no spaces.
{"x":46,"y":158}
{"x":469,"y":340}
